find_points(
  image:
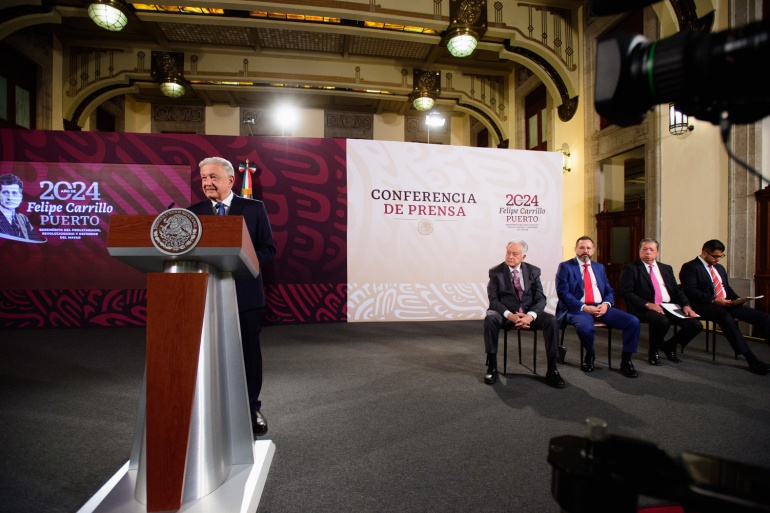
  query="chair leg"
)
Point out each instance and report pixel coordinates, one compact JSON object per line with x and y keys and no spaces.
{"x":609,"y":347}
{"x":534,"y":350}
{"x":561,"y":340}
{"x":505,"y":352}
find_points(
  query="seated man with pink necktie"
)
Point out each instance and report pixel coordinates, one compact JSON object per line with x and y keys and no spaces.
{"x":705,"y":283}
{"x":585,"y":295}
{"x":645,"y":285}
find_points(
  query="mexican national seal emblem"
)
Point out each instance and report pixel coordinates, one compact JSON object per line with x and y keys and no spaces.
{"x":425,"y":227}
{"x":176,"y":231}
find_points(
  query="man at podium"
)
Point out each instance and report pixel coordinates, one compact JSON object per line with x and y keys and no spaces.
{"x":217,"y":178}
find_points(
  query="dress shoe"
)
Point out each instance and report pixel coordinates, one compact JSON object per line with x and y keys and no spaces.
{"x":627,"y":369}
{"x":562,"y":354}
{"x":654,"y":359}
{"x":588,"y":364}
{"x":758,"y":367}
{"x":671,"y":356}
{"x":258,"y":424}
{"x":490,"y":378}
{"x":553,"y":378}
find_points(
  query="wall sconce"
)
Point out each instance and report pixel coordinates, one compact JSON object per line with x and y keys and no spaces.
{"x":678,"y":121}
{"x":427,"y":87}
{"x":565,"y":157}
{"x":109,"y":14}
{"x":467,"y":23}
{"x":168,"y":69}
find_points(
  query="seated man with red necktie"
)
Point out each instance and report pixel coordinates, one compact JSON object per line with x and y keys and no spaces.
{"x":705,"y":283}
{"x":516,"y":298}
{"x":645,"y":285}
{"x":585,"y":295}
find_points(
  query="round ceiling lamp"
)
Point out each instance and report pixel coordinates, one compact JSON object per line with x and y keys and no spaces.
{"x":424,"y":101}
{"x":461,"y":42}
{"x":109,"y":14}
{"x":173,"y":87}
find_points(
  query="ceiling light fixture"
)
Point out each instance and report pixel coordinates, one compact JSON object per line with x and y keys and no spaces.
{"x":173,"y":87}
{"x":426,"y":89}
{"x":461,"y":42}
{"x":109,"y":14}
{"x":168,"y":69}
{"x":468,"y":22}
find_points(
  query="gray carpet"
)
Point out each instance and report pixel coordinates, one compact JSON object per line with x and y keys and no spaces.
{"x":373,"y":417}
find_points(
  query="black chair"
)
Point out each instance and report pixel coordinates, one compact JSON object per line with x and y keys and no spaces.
{"x":510,"y":327}
{"x":597,"y":324}
{"x":713,"y":334}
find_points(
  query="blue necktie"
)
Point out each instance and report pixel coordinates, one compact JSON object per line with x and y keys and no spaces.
{"x":220,"y":209}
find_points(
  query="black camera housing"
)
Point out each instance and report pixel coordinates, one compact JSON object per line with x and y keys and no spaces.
{"x":712,"y":77}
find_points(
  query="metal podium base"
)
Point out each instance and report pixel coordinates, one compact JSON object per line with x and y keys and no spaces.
{"x":240,"y":493}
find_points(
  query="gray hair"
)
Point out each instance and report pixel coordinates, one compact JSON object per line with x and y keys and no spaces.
{"x":227,"y":167}
{"x":649,"y":239}
{"x":524,"y":246}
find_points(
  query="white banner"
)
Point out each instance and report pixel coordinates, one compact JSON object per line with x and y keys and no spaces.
{"x":426,"y":222}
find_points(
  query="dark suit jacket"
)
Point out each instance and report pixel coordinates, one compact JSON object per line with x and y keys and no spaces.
{"x":502,"y":295}
{"x":697,"y":284}
{"x":25,"y":229}
{"x":250,"y":292}
{"x":570,"y":290}
{"x":636,"y":286}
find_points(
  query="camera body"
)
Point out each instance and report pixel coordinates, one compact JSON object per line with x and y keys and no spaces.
{"x":609,"y":473}
{"x":712,"y":77}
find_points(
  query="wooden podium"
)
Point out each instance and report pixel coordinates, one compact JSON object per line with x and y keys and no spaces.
{"x":193,"y":446}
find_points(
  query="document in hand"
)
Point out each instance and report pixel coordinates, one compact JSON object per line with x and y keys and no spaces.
{"x":675,"y":309}
{"x":741,"y":300}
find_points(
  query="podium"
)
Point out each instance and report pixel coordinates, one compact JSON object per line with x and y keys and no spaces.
{"x":193,"y":448}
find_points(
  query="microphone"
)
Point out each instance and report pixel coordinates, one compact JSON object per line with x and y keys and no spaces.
{"x":170,"y":206}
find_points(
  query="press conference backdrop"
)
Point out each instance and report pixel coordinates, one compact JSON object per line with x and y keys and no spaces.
{"x":425,"y":223}
{"x":365,"y":231}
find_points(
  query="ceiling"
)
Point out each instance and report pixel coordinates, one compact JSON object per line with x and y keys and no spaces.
{"x":359,"y":32}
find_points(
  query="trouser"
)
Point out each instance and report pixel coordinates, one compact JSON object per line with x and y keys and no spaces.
{"x":546,"y":322}
{"x":660,"y":324}
{"x":251,"y":326}
{"x":614,"y":318}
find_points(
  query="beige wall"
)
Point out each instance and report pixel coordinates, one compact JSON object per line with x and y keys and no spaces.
{"x":222,"y":120}
{"x":693,"y":191}
{"x":389,"y":127}
{"x":138,"y":117}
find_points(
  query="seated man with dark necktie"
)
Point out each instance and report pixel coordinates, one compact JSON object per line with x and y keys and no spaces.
{"x":585,"y":295}
{"x":646,"y":285}
{"x":516,"y":298}
{"x":705,"y":283}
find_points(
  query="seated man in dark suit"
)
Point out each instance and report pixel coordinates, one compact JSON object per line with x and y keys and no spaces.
{"x":705,"y":283}
{"x":645,"y":285}
{"x":516,"y":298}
{"x":585,"y":295}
